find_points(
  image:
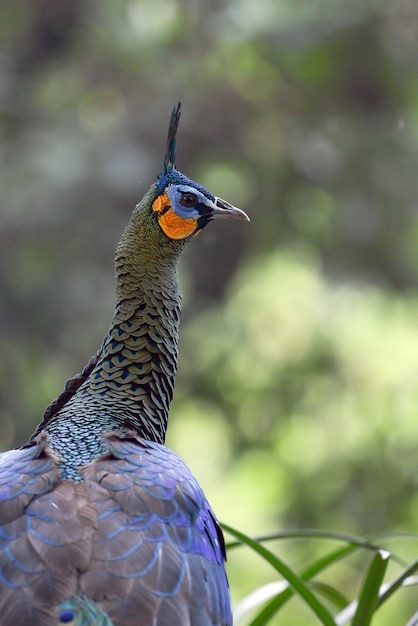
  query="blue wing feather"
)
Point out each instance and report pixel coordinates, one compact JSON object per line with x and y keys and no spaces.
{"x":170,"y":546}
{"x":136,"y":538}
{"x":184,"y":503}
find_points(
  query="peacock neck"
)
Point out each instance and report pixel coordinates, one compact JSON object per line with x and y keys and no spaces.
{"x":131,"y":385}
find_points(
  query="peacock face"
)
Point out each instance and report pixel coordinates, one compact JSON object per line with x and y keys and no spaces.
{"x":184,"y":207}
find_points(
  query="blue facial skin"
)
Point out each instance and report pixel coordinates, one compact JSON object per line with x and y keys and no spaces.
{"x":203,"y":205}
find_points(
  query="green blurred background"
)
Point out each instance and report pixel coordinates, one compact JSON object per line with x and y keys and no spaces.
{"x":297,"y":395}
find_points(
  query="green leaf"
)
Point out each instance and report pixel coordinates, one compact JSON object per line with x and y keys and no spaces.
{"x":397,"y":582}
{"x":309,"y":533}
{"x":330,"y":593}
{"x":368,"y":598}
{"x":309,"y":572}
{"x":293,"y":579}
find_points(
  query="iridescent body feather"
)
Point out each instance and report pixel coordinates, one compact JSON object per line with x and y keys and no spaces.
{"x":100,"y":523}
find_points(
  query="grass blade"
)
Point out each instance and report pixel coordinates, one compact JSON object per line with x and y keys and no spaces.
{"x":367,"y":601}
{"x":332,"y":594}
{"x":397,"y":582}
{"x":309,"y":572}
{"x":309,"y":533}
{"x":293,"y":579}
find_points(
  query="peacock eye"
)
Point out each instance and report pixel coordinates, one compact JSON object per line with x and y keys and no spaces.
{"x":188,"y":200}
{"x":67,"y":616}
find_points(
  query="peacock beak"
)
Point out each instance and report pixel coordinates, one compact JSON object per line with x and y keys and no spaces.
{"x":223,"y":210}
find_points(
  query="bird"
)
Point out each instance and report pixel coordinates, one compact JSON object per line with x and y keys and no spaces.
{"x":100,"y":523}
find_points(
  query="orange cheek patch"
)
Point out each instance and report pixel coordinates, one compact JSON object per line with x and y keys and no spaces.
{"x":173,"y":225}
{"x":161,"y":203}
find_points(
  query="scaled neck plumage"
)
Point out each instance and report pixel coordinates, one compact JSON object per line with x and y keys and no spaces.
{"x":131,"y":385}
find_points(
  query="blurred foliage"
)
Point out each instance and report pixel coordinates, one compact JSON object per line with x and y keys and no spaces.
{"x":297,"y":391}
{"x":317,"y":383}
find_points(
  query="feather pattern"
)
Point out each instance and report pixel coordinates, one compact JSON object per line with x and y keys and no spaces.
{"x":46,"y":532}
{"x":136,"y":536}
{"x":156,"y":536}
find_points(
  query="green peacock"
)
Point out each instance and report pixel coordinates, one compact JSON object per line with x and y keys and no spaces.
{"x":100,"y":523}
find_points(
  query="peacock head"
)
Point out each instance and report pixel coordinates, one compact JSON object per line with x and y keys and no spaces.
{"x":182,"y":206}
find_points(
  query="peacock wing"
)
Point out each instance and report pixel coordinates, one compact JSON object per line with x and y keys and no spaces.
{"x":46,"y":529}
{"x":158,"y":553}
